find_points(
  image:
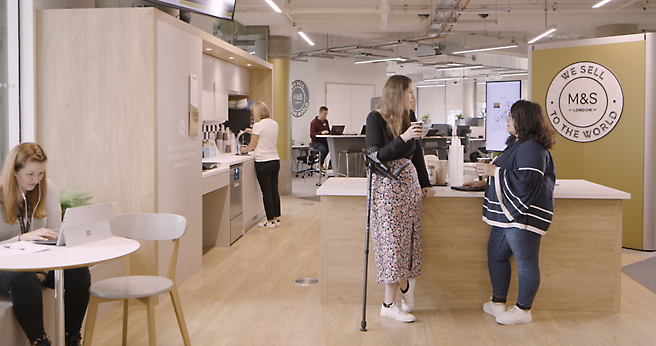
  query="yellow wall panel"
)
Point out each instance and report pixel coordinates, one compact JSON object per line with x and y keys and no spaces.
{"x":616,"y":160}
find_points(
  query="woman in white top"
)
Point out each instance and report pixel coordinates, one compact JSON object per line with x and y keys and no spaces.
{"x":264,"y":141}
{"x":30,"y":211}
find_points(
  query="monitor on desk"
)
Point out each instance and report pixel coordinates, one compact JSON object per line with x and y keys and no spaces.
{"x":337,"y":129}
{"x":442,"y":129}
{"x":364,"y":130}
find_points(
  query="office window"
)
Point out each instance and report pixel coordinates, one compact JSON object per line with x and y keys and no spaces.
{"x":9,"y":118}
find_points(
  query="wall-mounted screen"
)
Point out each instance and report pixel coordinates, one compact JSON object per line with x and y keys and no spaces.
{"x":500,"y":96}
{"x":224,"y":9}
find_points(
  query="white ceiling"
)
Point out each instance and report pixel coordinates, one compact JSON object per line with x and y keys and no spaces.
{"x":336,"y":23}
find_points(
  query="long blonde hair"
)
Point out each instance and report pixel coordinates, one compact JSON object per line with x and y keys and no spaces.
{"x":18,"y":157}
{"x":391,"y":104}
{"x":260,"y":111}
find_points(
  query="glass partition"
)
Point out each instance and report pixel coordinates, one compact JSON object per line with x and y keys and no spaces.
{"x":9,"y":129}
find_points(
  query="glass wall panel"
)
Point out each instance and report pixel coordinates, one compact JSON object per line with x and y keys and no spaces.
{"x":8,"y":76}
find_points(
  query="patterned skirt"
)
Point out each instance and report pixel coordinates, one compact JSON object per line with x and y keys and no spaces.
{"x":395,"y":224}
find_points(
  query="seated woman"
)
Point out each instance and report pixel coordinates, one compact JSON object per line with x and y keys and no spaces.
{"x":30,"y":211}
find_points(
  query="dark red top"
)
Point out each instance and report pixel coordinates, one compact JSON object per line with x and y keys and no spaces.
{"x":316,"y":127}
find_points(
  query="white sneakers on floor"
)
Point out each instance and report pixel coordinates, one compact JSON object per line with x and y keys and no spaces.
{"x":515,"y":315}
{"x":395,"y":313}
{"x":408,"y":298}
{"x":494,"y":309}
{"x":277,"y":222}
{"x":267,"y":224}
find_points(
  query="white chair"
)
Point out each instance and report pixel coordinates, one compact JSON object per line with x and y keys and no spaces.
{"x":146,"y":226}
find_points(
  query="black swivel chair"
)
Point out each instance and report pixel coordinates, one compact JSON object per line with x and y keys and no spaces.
{"x":309,"y":158}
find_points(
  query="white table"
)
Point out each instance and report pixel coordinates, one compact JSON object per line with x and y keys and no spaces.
{"x":59,"y":258}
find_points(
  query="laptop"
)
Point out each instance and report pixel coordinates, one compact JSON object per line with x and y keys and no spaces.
{"x":432,"y":133}
{"x":364,"y":130}
{"x":337,"y":129}
{"x":84,"y":224}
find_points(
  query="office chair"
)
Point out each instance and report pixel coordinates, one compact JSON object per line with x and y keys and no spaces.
{"x":144,"y":288}
{"x":310,"y":159}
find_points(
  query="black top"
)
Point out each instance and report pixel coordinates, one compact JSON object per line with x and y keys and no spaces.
{"x":391,"y":148}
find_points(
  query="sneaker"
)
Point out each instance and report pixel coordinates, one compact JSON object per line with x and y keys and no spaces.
{"x":395,"y":313}
{"x":277,"y":223}
{"x":42,"y":341}
{"x":408,"y":298}
{"x":267,"y":224}
{"x":515,"y":315}
{"x":494,"y":309}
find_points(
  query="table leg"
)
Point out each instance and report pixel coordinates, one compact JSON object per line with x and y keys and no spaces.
{"x":59,"y":307}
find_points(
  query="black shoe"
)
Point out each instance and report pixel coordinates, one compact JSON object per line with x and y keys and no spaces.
{"x":42,"y":341}
{"x":73,"y":339}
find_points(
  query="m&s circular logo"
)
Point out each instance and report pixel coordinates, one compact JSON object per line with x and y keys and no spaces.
{"x":300,"y":98}
{"x":584,"y":101}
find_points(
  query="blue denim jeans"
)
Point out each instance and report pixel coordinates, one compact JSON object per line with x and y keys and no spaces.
{"x":525,"y":245}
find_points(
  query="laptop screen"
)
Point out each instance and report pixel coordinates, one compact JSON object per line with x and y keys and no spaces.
{"x":337,"y":129}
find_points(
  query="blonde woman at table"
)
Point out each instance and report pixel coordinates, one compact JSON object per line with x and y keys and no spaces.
{"x":396,"y":204}
{"x":30,"y":211}
{"x":264,"y":141}
{"x":518,"y":204}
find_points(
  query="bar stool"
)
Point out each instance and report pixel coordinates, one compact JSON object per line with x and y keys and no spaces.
{"x":351,"y":150}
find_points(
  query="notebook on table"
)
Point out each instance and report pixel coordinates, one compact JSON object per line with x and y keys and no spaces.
{"x":84,"y":224}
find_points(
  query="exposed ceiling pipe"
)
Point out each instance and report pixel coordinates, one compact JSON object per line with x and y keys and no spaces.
{"x":384,"y":12}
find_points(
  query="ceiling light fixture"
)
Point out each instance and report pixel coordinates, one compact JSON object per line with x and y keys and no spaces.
{"x":466,"y":21}
{"x":390,"y":73}
{"x":459,"y":68}
{"x":542,"y":34}
{"x":483,"y":49}
{"x":601,"y":3}
{"x":514,"y":74}
{"x":273,"y":5}
{"x":208,"y":48}
{"x":441,"y":79}
{"x":431,"y":86}
{"x":379,"y":60}
{"x":304,"y":36}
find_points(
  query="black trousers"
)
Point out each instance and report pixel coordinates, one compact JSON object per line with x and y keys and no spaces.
{"x":24,"y":288}
{"x":267,"y":176}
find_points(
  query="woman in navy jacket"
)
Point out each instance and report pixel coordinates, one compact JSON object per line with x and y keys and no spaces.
{"x":519,"y":206}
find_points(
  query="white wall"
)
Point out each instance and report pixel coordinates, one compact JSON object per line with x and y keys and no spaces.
{"x":307,"y":72}
{"x":316,"y":73}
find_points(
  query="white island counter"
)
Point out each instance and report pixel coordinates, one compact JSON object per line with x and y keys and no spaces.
{"x":579,"y":255}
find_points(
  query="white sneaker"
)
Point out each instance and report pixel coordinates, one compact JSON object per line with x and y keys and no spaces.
{"x":515,"y":315}
{"x":395,"y":313}
{"x":277,"y":223}
{"x":266,"y":224}
{"x":408,"y":298}
{"x":494,"y":309}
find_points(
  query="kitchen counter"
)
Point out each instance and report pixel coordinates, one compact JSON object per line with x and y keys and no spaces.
{"x":583,"y":245}
{"x":565,"y":188}
{"x":225,"y":161}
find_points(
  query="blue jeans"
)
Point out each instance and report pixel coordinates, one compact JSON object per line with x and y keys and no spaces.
{"x":525,"y":245}
{"x":323,"y":150}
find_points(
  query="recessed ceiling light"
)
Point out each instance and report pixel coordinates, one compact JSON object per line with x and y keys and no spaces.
{"x":208,"y":48}
{"x":248,"y":64}
{"x":232,"y":57}
{"x":273,"y":5}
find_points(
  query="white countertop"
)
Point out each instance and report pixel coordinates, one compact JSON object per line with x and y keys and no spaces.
{"x":565,"y":188}
{"x":225,"y":161}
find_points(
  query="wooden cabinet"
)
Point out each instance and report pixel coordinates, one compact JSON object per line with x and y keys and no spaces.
{"x":220,"y":79}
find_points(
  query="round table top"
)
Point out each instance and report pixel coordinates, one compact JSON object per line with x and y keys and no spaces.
{"x":65,"y":257}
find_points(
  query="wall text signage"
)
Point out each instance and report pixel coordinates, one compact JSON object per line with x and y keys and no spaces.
{"x":300,"y":98}
{"x":584,"y":101}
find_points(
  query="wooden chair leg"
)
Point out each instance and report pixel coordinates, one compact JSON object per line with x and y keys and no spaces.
{"x":92,"y":313}
{"x":177,"y":306}
{"x":125,"y":322}
{"x":150,"y":305}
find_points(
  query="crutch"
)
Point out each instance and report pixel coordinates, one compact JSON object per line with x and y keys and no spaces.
{"x":374,"y":166}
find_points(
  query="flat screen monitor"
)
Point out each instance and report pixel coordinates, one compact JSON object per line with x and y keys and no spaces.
{"x":224,"y":9}
{"x":500,"y":96}
{"x":442,"y":129}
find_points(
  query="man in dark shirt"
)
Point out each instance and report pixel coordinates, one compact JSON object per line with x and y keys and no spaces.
{"x":320,"y":126}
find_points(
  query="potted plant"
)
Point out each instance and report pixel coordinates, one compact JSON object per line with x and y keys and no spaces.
{"x":73,"y":199}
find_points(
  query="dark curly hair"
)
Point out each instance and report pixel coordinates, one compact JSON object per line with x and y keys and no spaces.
{"x":530,"y":122}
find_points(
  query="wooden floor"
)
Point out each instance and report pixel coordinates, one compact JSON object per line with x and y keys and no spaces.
{"x":244,"y":295}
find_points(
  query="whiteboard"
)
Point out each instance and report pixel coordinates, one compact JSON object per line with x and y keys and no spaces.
{"x":500,"y":96}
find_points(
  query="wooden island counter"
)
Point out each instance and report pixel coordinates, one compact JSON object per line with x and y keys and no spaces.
{"x":579,"y":256}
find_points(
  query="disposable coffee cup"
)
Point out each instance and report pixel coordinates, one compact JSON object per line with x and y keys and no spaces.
{"x":421,"y":126}
{"x":482,"y":160}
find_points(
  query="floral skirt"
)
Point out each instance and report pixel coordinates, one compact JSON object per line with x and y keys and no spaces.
{"x":395,"y":224}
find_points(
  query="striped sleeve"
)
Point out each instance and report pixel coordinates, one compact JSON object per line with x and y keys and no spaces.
{"x":517,"y":188}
